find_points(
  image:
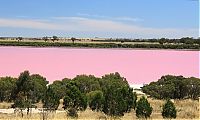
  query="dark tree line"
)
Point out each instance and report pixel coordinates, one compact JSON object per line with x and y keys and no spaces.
{"x":184,"y":40}
{"x":110,"y":94}
{"x":163,"y":43}
{"x":174,"y":87}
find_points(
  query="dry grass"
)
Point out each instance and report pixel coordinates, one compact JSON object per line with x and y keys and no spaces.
{"x":186,"y":109}
{"x":5,"y":105}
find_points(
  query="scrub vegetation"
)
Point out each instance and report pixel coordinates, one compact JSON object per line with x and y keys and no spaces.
{"x":163,"y":43}
{"x":90,"y":97}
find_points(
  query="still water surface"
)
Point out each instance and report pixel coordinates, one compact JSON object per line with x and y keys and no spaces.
{"x":138,"y":66}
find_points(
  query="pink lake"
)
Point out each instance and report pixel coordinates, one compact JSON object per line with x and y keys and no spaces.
{"x":138,"y":66}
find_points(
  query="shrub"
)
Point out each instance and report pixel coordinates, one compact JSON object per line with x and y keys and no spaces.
{"x":96,"y":100}
{"x":169,"y":110}
{"x":143,"y":108}
{"x":72,"y":112}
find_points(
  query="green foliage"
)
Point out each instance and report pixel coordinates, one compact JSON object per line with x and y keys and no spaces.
{"x":113,"y":78}
{"x":110,"y":94}
{"x":74,"y":99}
{"x":54,"y":38}
{"x":143,"y":108}
{"x":19,"y":38}
{"x":58,"y":88}
{"x":73,"y":39}
{"x":39,"y":87}
{"x":86,"y":83}
{"x":191,"y":87}
{"x":169,"y":45}
{"x":169,"y":110}
{"x":51,"y":100}
{"x":119,"y":97}
{"x":96,"y":100}
{"x":7,"y":84}
{"x":174,"y":87}
{"x":45,"y":38}
{"x":23,"y":92}
{"x":28,"y":90}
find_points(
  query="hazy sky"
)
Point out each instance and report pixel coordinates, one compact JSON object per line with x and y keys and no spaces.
{"x":100,"y":18}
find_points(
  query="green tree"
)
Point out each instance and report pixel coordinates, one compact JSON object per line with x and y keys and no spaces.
{"x":51,"y":100}
{"x":86,"y":83}
{"x":73,"y":39}
{"x":162,"y":41}
{"x":96,"y":100}
{"x":54,"y":38}
{"x":118,"y":100}
{"x":111,"y":78}
{"x":45,"y":38}
{"x":143,"y":108}
{"x":74,"y":99}
{"x":191,"y":87}
{"x":174,"y":87}
{"x":19,"y":38}
{"x":119,"y":97}
{"x":7,"y":84}
{"x":39,"y":87}
{"x":23,"y":92}
{"x":169,"y":110}
{"x":59,"y":87}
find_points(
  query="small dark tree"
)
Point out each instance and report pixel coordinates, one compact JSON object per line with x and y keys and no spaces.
{"x":73,"y":39}
{"x":20,"y":39}
{"x":54,"y":38}
{"x":45,"y":39}
{"x":143,"y":108}
{"x":169,"y":110}
{"x":117,"y":100}
{"x":72,"y":112}
{"x":162,"y":41}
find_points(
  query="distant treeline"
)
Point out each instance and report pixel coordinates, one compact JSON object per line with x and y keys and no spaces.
{"x":174,"y":87}
{"x":102,"y":45}
{"x":184,"y":40}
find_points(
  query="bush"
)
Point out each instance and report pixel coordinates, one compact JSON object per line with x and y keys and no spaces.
{"x":169,"y":110}
{"x":143,"y":108}
{"x":95,"y":100}
{"x":173,"y":87}
{"x":72,"y":112}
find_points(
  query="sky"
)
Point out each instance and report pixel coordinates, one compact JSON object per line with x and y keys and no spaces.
{"x":100,"y":18}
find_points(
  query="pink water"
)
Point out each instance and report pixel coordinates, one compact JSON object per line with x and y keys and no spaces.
{"x":138,"y":66}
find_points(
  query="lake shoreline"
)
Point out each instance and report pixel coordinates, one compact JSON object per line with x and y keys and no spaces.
{"x":86,"y":45}
{"x":65,"y":47}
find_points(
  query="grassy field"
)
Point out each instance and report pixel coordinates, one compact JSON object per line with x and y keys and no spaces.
{"x":186,"y":109}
